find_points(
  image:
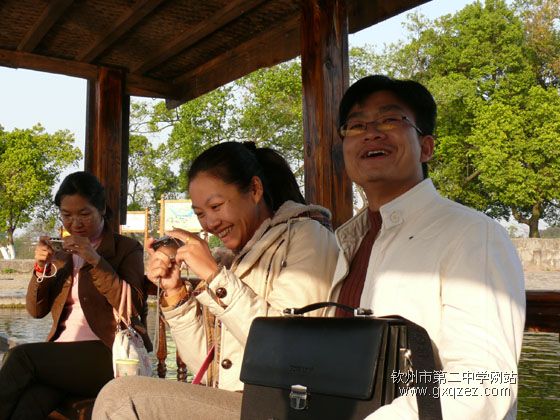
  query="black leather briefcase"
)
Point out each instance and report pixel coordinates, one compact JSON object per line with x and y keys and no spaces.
{"x":298,"y":367}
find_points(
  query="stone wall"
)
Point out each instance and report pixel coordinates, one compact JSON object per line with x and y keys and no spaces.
{"x":20,"y":266}
{"x":535,"y":254}
{"x":539,"y":254}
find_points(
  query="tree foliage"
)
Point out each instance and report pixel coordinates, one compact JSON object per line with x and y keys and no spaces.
{"x":31,"y":162}
{"x":494,"y":69}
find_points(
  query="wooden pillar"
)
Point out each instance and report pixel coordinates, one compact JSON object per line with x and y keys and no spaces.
{"x":106,"y":150}
{"x":324,"y":66}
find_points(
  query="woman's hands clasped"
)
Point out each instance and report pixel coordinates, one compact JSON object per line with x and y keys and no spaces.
{"x":195,"y":254}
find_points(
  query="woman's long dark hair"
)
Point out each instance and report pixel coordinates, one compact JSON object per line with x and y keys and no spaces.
{"x":237,"y":163}
{"x":87,"y":186}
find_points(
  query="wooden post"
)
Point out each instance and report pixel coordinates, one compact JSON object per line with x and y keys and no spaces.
{"x":162,"y":216}
{"x":106,"y":151}
{"x":146,"y":225}
{"x":324,"y":68}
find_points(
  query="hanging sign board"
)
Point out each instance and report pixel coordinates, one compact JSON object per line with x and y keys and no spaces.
{"x":179,"y":214}
{"x":136,"y":221}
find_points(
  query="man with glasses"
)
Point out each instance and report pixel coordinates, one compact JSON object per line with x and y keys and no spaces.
{"x":413,"y":253}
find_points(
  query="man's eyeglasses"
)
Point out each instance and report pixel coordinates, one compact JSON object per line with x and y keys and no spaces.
{"x":384,"y":124}
{"x":83,"y":218}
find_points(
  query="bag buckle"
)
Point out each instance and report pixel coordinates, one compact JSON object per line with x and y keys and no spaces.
{"x":406,"y":355}
{"x":362,"y":312}
{"x":298,"y":397}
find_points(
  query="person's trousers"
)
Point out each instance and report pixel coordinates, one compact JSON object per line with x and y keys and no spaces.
{"x":35,"y":378}
{"x":138,"y":397}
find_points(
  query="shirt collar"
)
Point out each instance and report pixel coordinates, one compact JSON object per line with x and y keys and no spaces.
{"x":407,"y":205}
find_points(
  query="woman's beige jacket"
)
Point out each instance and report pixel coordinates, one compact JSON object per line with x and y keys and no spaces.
{"x":289,"y":262}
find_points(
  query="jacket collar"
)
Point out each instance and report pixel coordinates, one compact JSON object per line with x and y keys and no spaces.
{"x":405,"y":207}
{"x":271,"y":229}
{"x":106,"y":247}
{"x":408,"y":205}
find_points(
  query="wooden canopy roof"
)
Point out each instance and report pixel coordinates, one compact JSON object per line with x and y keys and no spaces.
{"x":181,"y":49}
{"x":173,"y":49}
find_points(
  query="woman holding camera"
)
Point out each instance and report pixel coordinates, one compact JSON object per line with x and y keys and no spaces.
{"x":78,"y":280}
{"x":284,"y":257}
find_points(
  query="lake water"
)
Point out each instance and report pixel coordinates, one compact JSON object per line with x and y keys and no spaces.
{"x":539,"y":368}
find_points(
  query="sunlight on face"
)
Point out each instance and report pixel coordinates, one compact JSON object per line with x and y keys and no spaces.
{"x":79,"y":216}
{"x":225,"y":211}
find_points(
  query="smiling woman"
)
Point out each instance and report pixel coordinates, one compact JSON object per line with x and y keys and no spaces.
{"x":79,"y":284}
{"x":284,"y":257}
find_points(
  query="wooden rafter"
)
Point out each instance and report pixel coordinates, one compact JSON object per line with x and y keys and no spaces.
{"x":19,"y":59}
{"x":122,"y":26}
{"x":50,"y":15}
{"x":135,"y":85}
{"x":227,"y":14}
{"x":246,"y":58}
{"x":364,"y":13}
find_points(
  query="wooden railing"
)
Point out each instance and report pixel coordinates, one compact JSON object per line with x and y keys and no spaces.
{"x":543,"y":311}
{"x":543,"y":315}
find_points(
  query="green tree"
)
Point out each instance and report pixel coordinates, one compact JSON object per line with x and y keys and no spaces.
{"x":149,"y":176}
{"x":495,"y":78}
{"x":264,"y":107}
{"x":31,"y":162}
{"x":197,"y":125}
{"x":271,"y":112}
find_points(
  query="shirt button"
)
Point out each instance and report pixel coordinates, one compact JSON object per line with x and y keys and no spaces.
{"x":221,"y":293}
{"x":395,"y":217}
{"x":226,"y":363}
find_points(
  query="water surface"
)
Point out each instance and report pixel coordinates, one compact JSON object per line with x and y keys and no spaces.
{"x":539,"y":367}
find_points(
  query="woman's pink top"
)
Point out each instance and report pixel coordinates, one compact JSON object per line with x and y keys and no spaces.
{"x":73,"y":323}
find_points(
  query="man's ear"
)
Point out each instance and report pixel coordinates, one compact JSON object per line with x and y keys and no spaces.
{"x":426,"y":148}
{"x":257,"y":189}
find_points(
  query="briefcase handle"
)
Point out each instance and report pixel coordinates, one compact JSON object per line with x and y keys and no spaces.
{"x":321,"y":305}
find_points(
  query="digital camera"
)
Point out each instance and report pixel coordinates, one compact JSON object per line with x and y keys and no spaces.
{"x":167,"y":242}
{"x":56,"y":244}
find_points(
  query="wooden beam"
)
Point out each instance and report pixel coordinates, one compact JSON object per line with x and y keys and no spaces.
{"x":91,"y":105}
{"x":146,"y":86}
{"x":365,"y":13}
{"x":286,"y":41}
{"x":324,"y":62}
{"x":244,"y":59}
{"x":225,"y":15}
{"x":126,"y":22}
{"x":18,"y":59}
{"x":50,"y":15}
{"x":125,"y":148}
{"x":104,"y":147}
{"x":136,"y":85}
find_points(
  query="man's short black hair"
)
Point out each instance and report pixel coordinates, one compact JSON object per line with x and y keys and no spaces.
{"x":412,"y":93}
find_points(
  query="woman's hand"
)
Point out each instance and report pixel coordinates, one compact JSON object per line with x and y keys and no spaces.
{"x":195,"y":253}
{"x":162,"y":267}
{"x":43,"y":252}
{"x":80,"y":245}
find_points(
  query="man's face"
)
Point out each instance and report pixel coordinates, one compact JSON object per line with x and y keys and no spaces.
{"x":386,"y":158}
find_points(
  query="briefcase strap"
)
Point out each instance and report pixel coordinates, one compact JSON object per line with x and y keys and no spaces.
{"x":321,"y":305}
{"x":429,"y":404}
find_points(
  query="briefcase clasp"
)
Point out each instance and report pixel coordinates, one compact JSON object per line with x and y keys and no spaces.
{"x":298,"y":397}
